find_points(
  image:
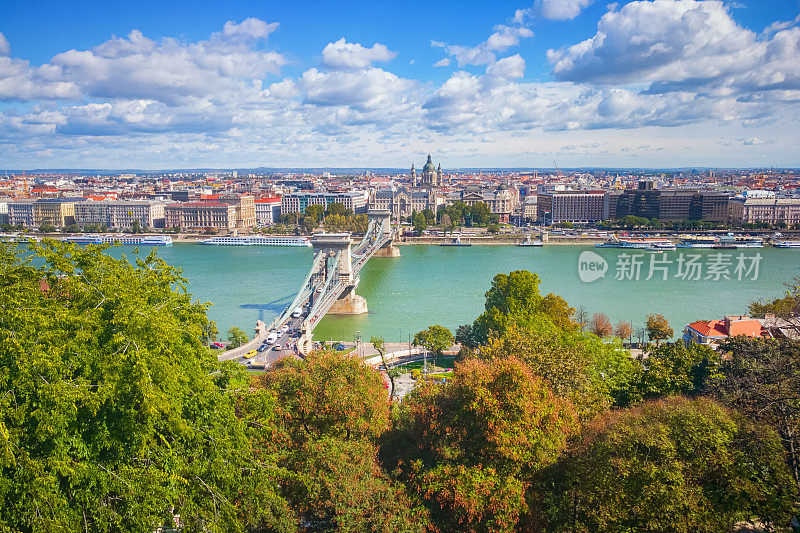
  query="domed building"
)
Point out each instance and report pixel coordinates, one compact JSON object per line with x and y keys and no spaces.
{"x":431,"y":177}
{"x":422,"y":194}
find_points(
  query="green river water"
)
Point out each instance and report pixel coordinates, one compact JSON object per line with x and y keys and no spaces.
{"x":446,"y":285}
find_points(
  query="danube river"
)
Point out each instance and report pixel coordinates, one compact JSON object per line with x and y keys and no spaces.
{"x":446,"y":285}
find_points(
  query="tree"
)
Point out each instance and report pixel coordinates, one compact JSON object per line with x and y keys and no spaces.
{"x":589,"y":373}
{"x":419,"y":221}
{"x":761,"y":379}
{"x":47,"y":228}
{"x":330,"y":409}
{"x":236,"y":337}
{"x":600,"y":325}
{"x":391,"y":373}
{"x":657,"y":328}
{"x":581,"y":317}
{"x":115,"y":416}
{"x":514,"y":298}
{"x":671,"y":369}
{"x":675,"y":465}
{"x":466,"y":448}
{"x":314,"y":214}
{"x":136,"y":227}
{"x":337,"y":208}
{"x":624,"y":330}
{"x":435,"y":339}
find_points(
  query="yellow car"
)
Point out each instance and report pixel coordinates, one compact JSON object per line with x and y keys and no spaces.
{"x":250,"y":354}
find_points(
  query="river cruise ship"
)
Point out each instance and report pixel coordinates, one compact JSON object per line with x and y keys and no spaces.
{"x":137,"y":240}
{"x":257,"y":240}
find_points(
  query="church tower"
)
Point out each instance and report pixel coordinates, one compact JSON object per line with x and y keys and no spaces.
{"x":429,"y":174}
{"x":439,"y":176}
{"x":413,"y":176}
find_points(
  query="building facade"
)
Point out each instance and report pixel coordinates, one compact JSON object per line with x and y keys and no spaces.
{"x":244,"y":206}
{"x":765,"y":210}
{"x":200,"y":215}
{"x":120,"y":213}
{"x":296,"y":202}
{"x":570,"y":206}
{"x":268,"y":211}
{"x":58,"y":212}
{"x":402,"y":202}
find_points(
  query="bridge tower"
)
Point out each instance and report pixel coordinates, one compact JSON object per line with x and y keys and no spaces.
{"x":383,"y":216}
{"x":348,"y":303}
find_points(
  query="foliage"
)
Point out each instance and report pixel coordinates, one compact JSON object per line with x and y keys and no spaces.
{"x":761,"y":379}
{"x":600,"y":325}
{"x":236,"y":337}
{"x":379,"y":344}
{"x":676,"y":465}
{"x":467,"y":447}
{"x":787,"y":307}
{"x":671,"y":369}
{"x":47,"y":228}
{"x":329,"y":395}
{"x":330,"y":409}
{"x":113,"y":414}
{"x":623,"y":330}
{"x":514,"y":298}
{"x":657,"y":328}
{"x":590,"y":373}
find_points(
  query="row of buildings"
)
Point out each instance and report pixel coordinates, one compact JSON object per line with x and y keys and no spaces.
{"x":666,"y":205}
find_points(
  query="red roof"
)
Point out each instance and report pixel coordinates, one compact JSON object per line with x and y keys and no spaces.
{"x":270,"y":200}
{"x":728,"y":328}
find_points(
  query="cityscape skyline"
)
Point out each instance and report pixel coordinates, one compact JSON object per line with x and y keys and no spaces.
{"x":648,"y":84}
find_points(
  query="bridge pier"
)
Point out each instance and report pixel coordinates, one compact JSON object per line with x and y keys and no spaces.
{"x":389,"y":250}
{"x":352,"y":304}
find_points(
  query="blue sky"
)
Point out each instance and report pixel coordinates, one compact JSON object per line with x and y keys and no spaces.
{"x":507,"y":84}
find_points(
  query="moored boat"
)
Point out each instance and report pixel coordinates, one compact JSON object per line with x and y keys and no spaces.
{"x":257,"y":240}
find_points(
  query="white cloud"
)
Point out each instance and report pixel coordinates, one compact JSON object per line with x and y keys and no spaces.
{"x":503,"y":38}
{"x":344,"y":55}
{"x":444,"y":62}
{"x":561,"y":9}
{"x":140,"y":68}
{"x":5,"y":48}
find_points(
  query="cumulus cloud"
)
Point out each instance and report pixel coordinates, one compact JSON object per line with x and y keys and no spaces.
{"x":344,"y":55}
{"x":5,"y":48}
{"x":138,"y":67}
{"x":683,"y":45}
{"x":561,"y":9}
{"x":444,"y":62}
{"x":503,"y":38}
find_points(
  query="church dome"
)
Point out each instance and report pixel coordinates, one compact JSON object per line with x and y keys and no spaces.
{"x":429,"y":165}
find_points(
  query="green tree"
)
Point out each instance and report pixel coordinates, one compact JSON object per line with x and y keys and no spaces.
{"x":419,"y":221}
{"x":514,"y":298}
{"x":236,"y":337}
{"x":330,"y":410}
{"x":47,"y":228}
{"x":314,"y":213}
{"x":337,"y":208}
{"x":136,"y":227}
{"x":657,"y":328}
{"x":466,"y":448}
{"x":435,"y":339}
{"x":676,"y":465}
{"x":761,"y":379}
{"x":671,"y":369}
{"x":115,"y":416}
{"x":392,"y":373}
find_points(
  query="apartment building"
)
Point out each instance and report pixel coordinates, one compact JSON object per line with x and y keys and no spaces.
{"x":244,"y":206}
{"x":570,"y":206}
{"x":268,"y":211}
{"x":765,"y":210}
{"x":296,"y":202}
{"x":200,"y":215}
{"x":58,"y":212}
{"x":120,"y":213}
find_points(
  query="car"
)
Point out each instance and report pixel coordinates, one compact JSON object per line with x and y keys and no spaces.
{"x":262,"y":347}
{"x":296,"y":313}
{"x":217,"y":345}
{"x":272,"y":337}
{"x":338,"y":346}
{"x":250,"y":354}
{"x":277,"y":347}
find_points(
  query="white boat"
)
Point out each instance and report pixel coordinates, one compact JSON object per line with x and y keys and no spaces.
{"x":456,"y":242}
{"x":529,"y":242}
{"x":257,"y":240}
{"x":697,"y":242}
{"x":137,"y":240}
{"x":786,"y":244}
{"x":660,"y":247}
